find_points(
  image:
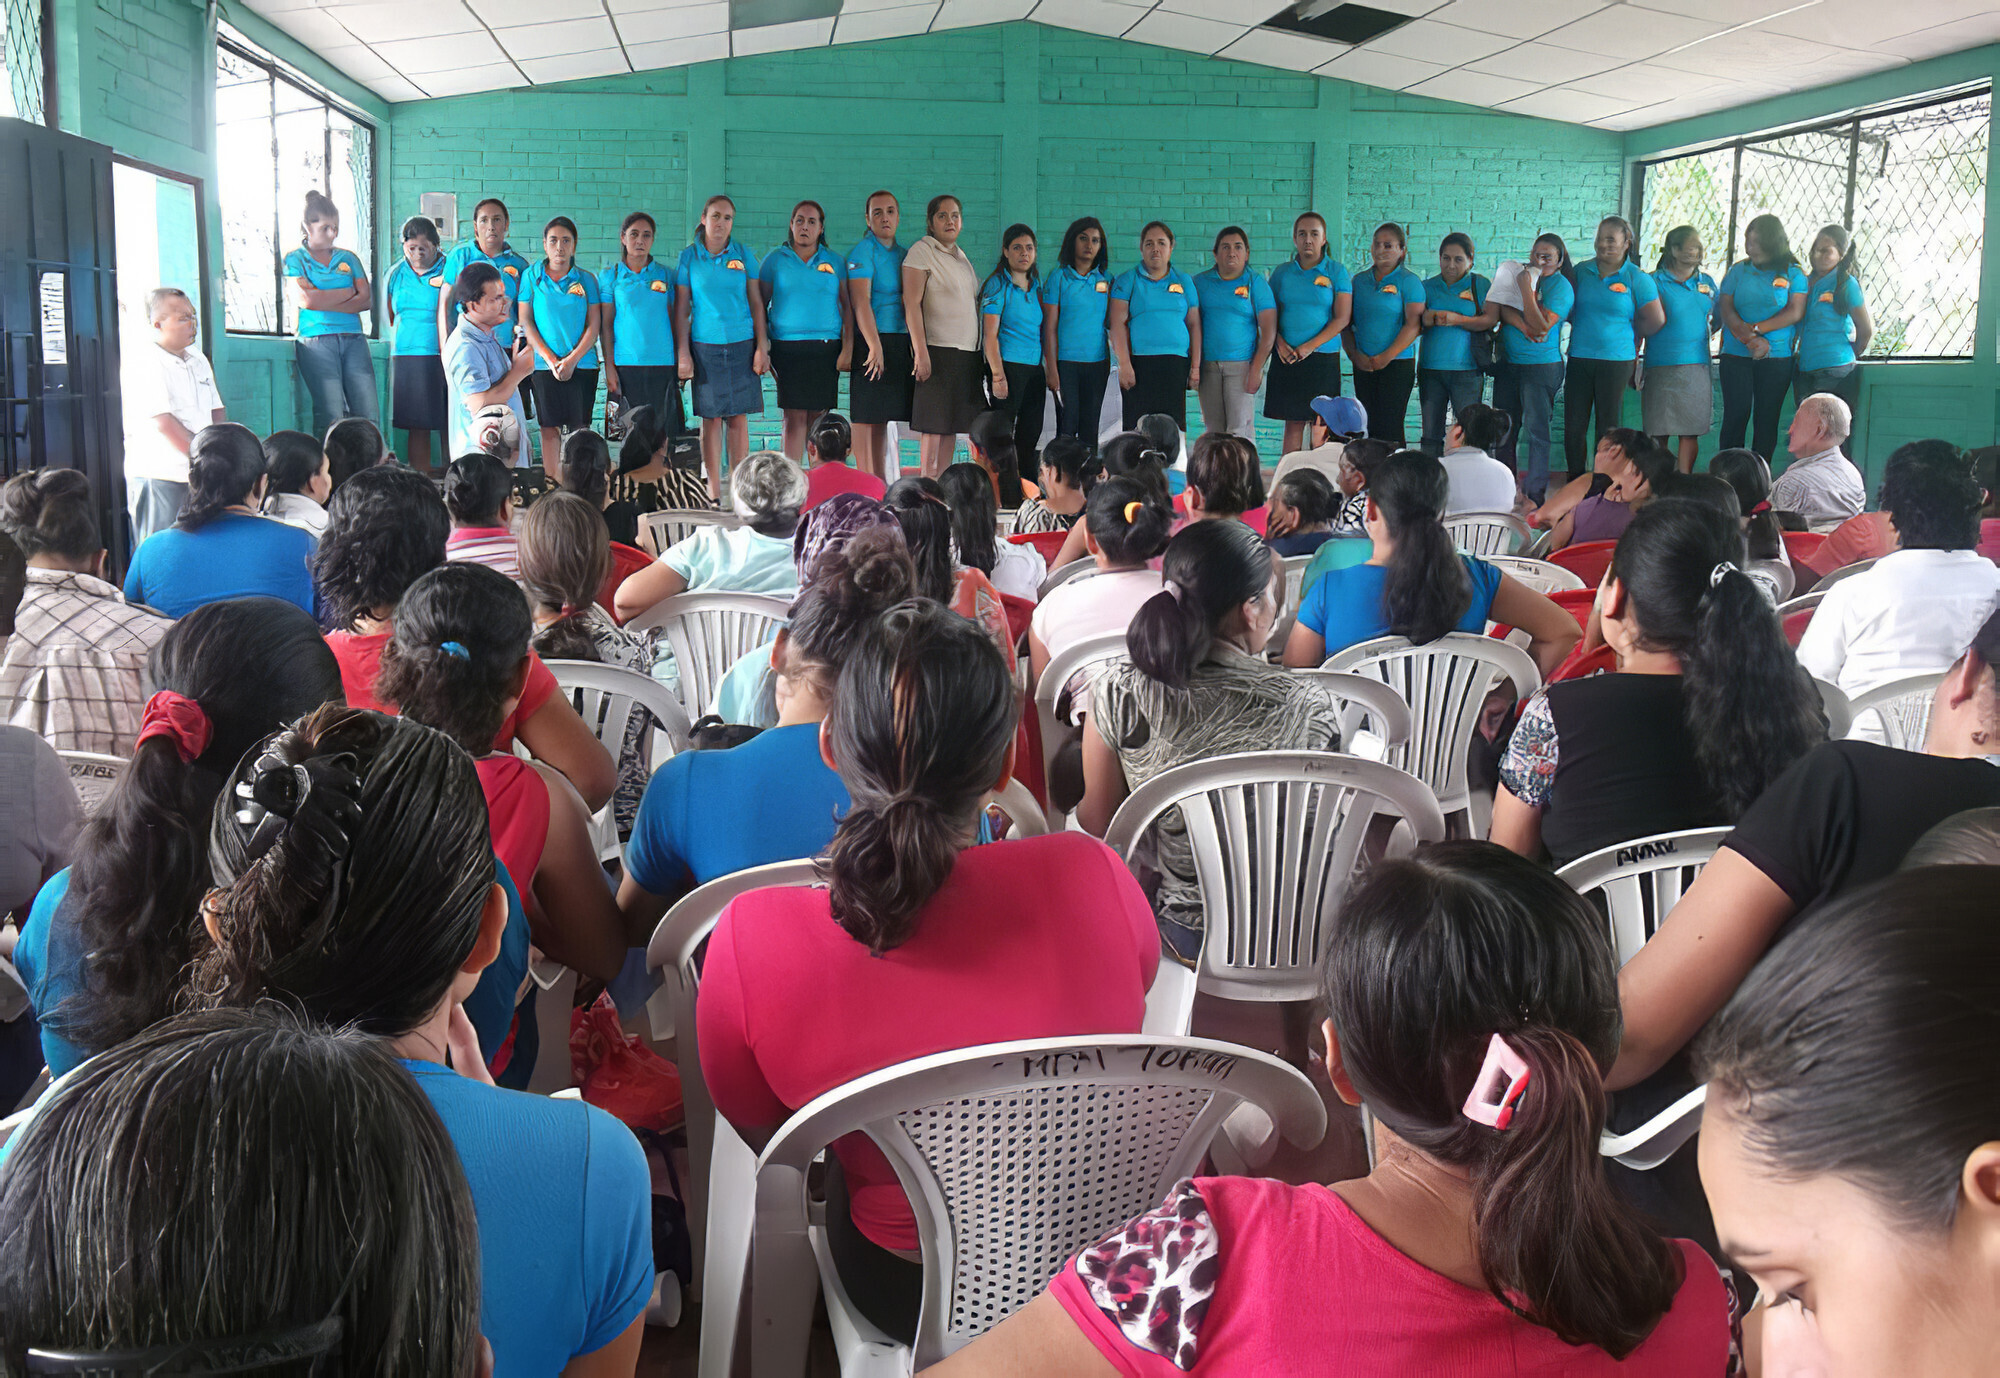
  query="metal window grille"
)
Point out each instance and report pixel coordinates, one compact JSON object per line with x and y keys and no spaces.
{"x":1909,"y":184}
{"x":279,"y":135}
{"x":26,"y":81}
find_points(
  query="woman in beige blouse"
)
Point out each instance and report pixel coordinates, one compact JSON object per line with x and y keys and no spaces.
{"x":941,"y":305}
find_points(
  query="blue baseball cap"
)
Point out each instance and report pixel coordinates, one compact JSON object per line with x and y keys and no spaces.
{"x":1343,"y":415}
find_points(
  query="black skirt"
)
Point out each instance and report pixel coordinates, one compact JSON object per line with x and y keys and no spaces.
{"x":657,"y":386}
{"x":807,"y":377}
{"x":566,"y":402}
{"x":1290,"y":388}
{"x":946,"y":402}
{"x":1160,"y":386}
{"x":420,"y":402}
{"x":873,"y":401}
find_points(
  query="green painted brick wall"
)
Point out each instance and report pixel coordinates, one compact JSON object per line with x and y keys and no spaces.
{"x":912,"y":69}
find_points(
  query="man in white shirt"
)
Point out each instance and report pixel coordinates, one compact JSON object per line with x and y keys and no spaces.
{"x":1822,"y":484}
{"x":1479,"y":482}
{"x":168,"y":394}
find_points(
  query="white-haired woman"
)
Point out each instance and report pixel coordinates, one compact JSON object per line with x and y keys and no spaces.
{"x":768,"y":491}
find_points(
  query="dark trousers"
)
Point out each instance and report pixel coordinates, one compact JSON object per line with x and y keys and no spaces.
{"x":1385,"y":396}
{"x":1438,"y":387}
{"x":886,"y":1288}
{"x":1527,"y":393}
{"x":1080,"y":400}
{"x":1753,"y":385}
{"x":1027,"y":393}
{"x":1591,"y":385}
{"x":1843,"y":382}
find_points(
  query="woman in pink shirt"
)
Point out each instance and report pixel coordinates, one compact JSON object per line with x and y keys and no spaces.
{"x":920,"y":941}
{"x":1486,"y":1241}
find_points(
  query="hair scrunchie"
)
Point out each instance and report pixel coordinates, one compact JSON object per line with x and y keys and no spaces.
{"x":178,"y":718}
{"x":1716,"y":575}
{"x":455,"y":649}
{"x":1132,"y":510}
{"x":1764,"y":506}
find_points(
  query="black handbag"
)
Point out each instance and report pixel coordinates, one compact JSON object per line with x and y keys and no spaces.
{"x":1483,"y":340}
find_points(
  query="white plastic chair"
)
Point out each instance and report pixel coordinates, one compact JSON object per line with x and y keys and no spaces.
{"x":1839,"y":712}
{"x":708,"y":633}
{"x":1445,"y":683}
{"x":1288,"y":612}
{"x":1021,"y":809}
{"x":93,"y":774}
{"x":1005,"y":522}
{"x":1013,"y":1156}
{"x":607,"y":697}
{"x":1805,"y":602}
{"x":1897,"y":713}
{"x":1365,"y":704}
{"x":1827,"y":581}
{"x":676,"y":524}
{"x":1777,"y":577}
{"x":1543,"y":576}
{"x":1087,"y":653}
{"x":1277,"y":837}
{"x":1488,"y":533}
{"x":1062,"y":574}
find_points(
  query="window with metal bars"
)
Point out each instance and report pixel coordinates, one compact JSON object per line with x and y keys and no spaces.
{"x":24,"y":95}
{"x":1908,"y":182}
{"x":278,"y":136}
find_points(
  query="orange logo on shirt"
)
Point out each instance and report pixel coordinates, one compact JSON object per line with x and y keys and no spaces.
{"x":1706,"y":290}
{"x":1175,"y":288}
{"x":659,"y":286}
{"x":1781,"y":282}
{"x":734,"y":265}
{"x":1243,"y":291}
{"x":347,"y":268}
{"x":823,"y":267}
{"x":437,"y":281}
{"x":1466,"y":295}
{"x":510,"y":270}
{"x":1619,"y":287}
{"x":575,"y":289}
{"x":1322,"y":282}
{"x":1826,"y":296}
{"x":1104,"y":287}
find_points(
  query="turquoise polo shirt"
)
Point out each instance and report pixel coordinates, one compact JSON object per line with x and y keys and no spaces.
{"x":1083,"y":303}
{"x":801,"y":295}
{"x":883,"y":267}
{"x":413,"y":296}
{"x":1556,"y":297}
{"x":1378,"y":309}
{"x":1826,"y":335}
{"x":1600,"y":324}
{"x":1158,"y":309}
{"x":1020,"y":313}
{"x":1446,"y":348}
{"x":643,"y":328}
{"x":562,"y":309}
{"x":341,"y":270}
{"x":512,"y":269}
{"x":1689,"y":305}
{"x":1229,"y":308}
{"x":719,"y":288}
{"x":1305,"y":296}
{"x":1759,"y":294}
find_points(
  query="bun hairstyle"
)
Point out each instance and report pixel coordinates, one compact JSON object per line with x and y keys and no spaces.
{"x":587,"y":467}
{"x":1132,"y":455}
{"x":1211,"y":570}
{"x":1427,"y":589}
{"x":461,"y":634}
{"x":1128,"y":520}
{"x":353,"y":860}
{"x":225,"y":461}
{"x":1485,"y":428}
{"x":1165,"y":434}
{"x":1072,"y":461}
{"x":831,"y":438}
{"x":352,"y":444}
{"x":920,"y":509}
{"x":645,"y":435}
{"x":51,"y":512}
{"x":291,"y":458}
{"x":968,"y":491}
{"x":384,"y":528}
{"x":476,"y":487}
{"x":1749,"y":705}
{"x":852,"y":584}
{"x":923,"y":718}
{"x":564,"y":554}
{"x":1434,"y":955}
{"x":1307,"y":492}
{"x":1750,"y":476}
{"x":1224,"y":469}
{"x":319,"y":206}
{"x":252,"y":665}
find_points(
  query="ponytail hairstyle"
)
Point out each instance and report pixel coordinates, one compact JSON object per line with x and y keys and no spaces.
{"x":461,"y":634}
{"x":1485,"y":428}
{"x":51,"y":512}
{"x":1750,"y":707}
{"x":587,"y":467}
{"x":1166,"y":434}
{"x":920,"y":509}
{"x":1677,"y":236}
{"x":831,"y":438}
{"x":1128,"y":520}
{"x":718,"y":198}
{"x":968,"y":491}
{"x":319,"y":206}
{"x":992,"y":434}
{"x":1066,"y":256}
{"x":1750,"y":476}
{"x":1624,"y":228}
{"x":476,"y":489}
{"x":291,"y":459}
{"x":564,"y":554}
{"x":645,"y":435}
{"x":1402,"y":239}
{"x":1771,"y":238}
{"x":252,"y":665}
{"x":384,"y":528}
{"x":1433,"y":956}
{"x":1130,"y":454}
{"x":1563,"y":264}
{"x":1224,"y":469}
{"x":352,"y":444}
{"x":922,"y":723}
{"x":1007,"y":238}
{"x":1211,"y":570}
{"x":1427,"y":589}
{"x":225,"y":461}
{"x":853,"y":584}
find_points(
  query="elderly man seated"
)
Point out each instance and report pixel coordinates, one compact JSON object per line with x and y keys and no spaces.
{"x":1821,"y":484}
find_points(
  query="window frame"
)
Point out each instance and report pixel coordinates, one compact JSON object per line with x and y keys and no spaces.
{"x":204,"y":310}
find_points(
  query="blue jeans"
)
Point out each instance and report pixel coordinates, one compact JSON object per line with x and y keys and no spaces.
{"x":1527,"y":392}
{"x":340,"y":379}
{"x":1461,"y":387}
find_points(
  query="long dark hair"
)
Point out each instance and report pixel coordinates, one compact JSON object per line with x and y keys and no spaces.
{"x":1771,"y":238}
{"x":969,"y":492}
{"x":1066,"y":256}
{"x":852,"y":584}
{"x":384,"y":527}
{"x":992,"y":432}
{"x":1844,"y":269}
{"x":253,"y":664}
{"x":1211,"y":570}
{"x":564,"y":554}
{"x":1224,"y":469}
{"x":587,"y":467}
{"x":1433,"y":956}
{"x":645,"y":432}
{"x":1677,"y":236}
{"x":920,"y":509}
{"x":1012,"y":233}
{"x":1749,"y":705}
{"x":291,"y":458}
{"x":461,"y":634}
{"x":353,"y":443}
{"x":1132,"y":455}
{"x":831,"y":438}
{"x":1426,"y":589}
{"x":1563,"y":263}
{"x":224,"y":463}
{"x":922,"y":719}
{"x":1750,"y":476}
{"x":1129,"y":521}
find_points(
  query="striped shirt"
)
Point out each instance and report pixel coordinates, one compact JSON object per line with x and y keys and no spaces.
{"x":1034,"y":517}
{"x":74,"y":671}
{"x":492,"y":546}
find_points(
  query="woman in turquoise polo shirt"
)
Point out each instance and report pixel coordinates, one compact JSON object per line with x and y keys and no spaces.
{"x":1837,"y":327}
{"x":330,"y":289}
{"x":487,"y":245}
{"x":559,"y":314}
{"x":1076,"y":322}
{"x":882,"y":380}
{"x":1239,"y":319}
{"x":1381,"y":340}
{"x":636,"y":326}
{"x":1676,"y":399}
{"x":1617,"y":305}
{"x":720,"y":336}
{"x":1529,"y":370}
{"x":1155,"y":321}
{"x":812,"y":332}
{"x":419,"y":402}
{"x":1455,"y":309}
{"x":1010,"y":334}
{"x":1760,"y":302}
{"x":1315,"y":297}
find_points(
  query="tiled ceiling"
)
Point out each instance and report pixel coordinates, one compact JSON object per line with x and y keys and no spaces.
{"x":1616,"y":64}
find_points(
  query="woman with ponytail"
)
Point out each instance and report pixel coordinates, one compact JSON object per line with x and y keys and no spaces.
{"x":647,"y":476}
{"x":1750,"y":476}
{"x":1415,"y":585}
{"x":1125,"y":527}
{"x":1013,"y":569}
{"x":827,"y":469}
{"x":221,"y":547}
{"x":920,"y":509}
{"x":919,"y":941}
{"x":1837,"y":327}
{"x":1708,"y":708}
{"x":1471,"y":998}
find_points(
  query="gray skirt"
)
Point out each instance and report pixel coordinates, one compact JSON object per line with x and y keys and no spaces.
{"x":724,"y":383}
{"x":1678,"y":399}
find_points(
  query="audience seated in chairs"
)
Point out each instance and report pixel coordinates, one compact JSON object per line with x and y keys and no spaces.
{"x":919,"y":507}
{"x":1485,"y":1240}
{"x":1225,"y":482}
{"x":354,"y":443}
{"x":768,"y":491}
{"x":479,"y":495}
{"x":1478,"y":481}
{"x":1128,"y":454}
{"x":1302,"y":509}
{"x":647,"y":475}
{"x":297,"y":481}
{"x":1013,"y":569}
{"x":1125,"y":528}
{"x":586,"y":473}
{"x":74,"y":667}
{"x":1070,"y":468}
{"x":1821,"y":484}
{"x":828,"y":444}
{"x":1627,"y":465}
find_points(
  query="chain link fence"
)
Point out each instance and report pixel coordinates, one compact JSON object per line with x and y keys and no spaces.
{"x":24,"y":61}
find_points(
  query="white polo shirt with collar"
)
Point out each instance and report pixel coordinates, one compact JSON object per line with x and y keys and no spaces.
{"x":155,"y":382}
{"x":1914,"y":612}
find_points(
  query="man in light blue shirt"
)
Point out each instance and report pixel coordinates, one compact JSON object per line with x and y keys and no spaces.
{"x":481,"y":372}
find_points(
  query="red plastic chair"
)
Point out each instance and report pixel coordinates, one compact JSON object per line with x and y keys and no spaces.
{"x":1587,"y":561}
{"x":1602,"y":661}
{"x":1049,"y":543}
{"x":1802,"y":546}
{"x":1795,"y":626}
{"x":1576,"y":602}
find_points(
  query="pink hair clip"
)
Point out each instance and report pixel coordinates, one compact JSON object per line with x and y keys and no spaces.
{"x":1497,"y":1090}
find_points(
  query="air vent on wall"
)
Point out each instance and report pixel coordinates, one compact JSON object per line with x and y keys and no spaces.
{"x":1337,"y":22}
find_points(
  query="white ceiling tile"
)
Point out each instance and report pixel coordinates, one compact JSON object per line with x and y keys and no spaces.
{"x":364,"y":64}
{"x":1750,"y":54}
{"x":678,"y":52}
{"x":1578,"y":107}
{"x":317,"y":29}
{"x":1091,"y":16}
{"x":1371,"y":68}
{"x":604,"y":62}
{"x":558,"y":40}
{"x":1539,"y":63}
{"x":653,"y":26}
{"x":1184,"y":31}
{"x":1239,"y":12}
{"x":1411,"y":7}
{"x":1429,"y":41}
{"x":1516,"y":18}
{"x":513,"y":14}
{"x":423,"y":57}
{"x":776,"y":38}
{"x":1275,"y":49}
{"x":378,"y":24}
{"x":463,"y":81}
{"x":866,"y":25}
{"x":635,"y":6}
{"x":1733,"y":11}
{"x":1946,"y":38}
{"x":1640,"y":117}
{"x":966,"y":14}
{"x":1630,"y":32}
{"x":394,"y":89}
{"x":1646,"y":81}
{"x":1473,"y":88}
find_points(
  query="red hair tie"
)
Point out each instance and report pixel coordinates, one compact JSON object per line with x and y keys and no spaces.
{"x":179,"y":718}
{"x":1760,"y":507}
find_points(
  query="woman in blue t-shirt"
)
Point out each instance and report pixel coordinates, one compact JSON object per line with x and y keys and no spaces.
{"x":1760,"y":302}
{"x":559,"y":313}
{"x":1315,"y":297}
{"x":1239,"y":320}
{"x":636,"y":326}
{"x":1076,"y":343}
{"x":330,"y":290}
{"x":1455,"y":310}
{"x":418,"y":397}
{"x":811,"y":326}
{"x":1676,"y":398}
{"x":1529,"y":369}
{"x":720,"y":336}
{"x":1381,"y":340}
{"x":1010,"y":336}
{"x":1617,"y":305}
{"x":1828,"y":343}
{"x":1415,"y":585}
{"x":1156,"y":331}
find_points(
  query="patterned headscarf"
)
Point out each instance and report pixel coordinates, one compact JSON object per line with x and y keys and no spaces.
{"x":832,"y":525}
